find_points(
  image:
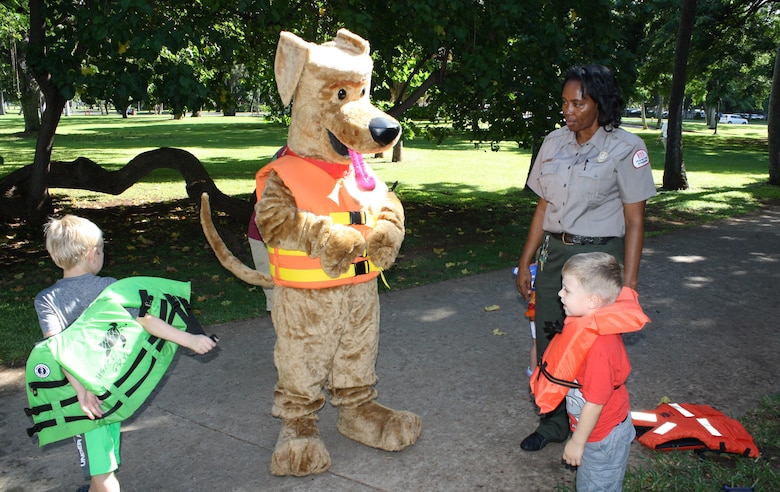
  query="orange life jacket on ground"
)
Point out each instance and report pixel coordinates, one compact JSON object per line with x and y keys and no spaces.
{"x":313,"y":187}
{"x":564,"y":355}
{"x":685,"y":426}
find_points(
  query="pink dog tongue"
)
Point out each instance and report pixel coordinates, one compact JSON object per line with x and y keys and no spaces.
{"x":364,"y":181}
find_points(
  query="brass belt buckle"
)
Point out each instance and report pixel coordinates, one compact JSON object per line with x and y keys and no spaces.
{"x":564,"y":241}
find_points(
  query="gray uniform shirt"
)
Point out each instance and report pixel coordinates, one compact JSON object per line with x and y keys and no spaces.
{"x":61,"y":304}
{"x":586,"y":185}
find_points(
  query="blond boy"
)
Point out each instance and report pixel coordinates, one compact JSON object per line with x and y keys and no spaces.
{"x":75,"y":244}
{"x":599,"y":418}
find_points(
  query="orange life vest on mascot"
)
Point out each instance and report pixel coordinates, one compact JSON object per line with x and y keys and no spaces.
{"x":292,"y":268}
{"x":564,"y":355}
{"x":685,"y":426}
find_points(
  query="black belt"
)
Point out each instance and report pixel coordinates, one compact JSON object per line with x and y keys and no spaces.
{"x":567,"y":238}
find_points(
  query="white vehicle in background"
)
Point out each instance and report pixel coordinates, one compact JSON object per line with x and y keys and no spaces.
{"x":733,"y":118}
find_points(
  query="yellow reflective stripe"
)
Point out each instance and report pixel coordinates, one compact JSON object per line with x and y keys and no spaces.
{"x":296,"y":252}
{"x":289,"y":252}
{"x":315,"y":275}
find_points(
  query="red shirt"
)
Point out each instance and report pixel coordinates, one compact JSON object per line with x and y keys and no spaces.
{"x":605,"y":367}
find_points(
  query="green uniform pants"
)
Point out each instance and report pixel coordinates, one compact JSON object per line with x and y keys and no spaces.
{"x":549,"y":313}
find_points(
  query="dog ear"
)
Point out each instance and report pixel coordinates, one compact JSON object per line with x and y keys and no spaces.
{"x":292,"y":53}
{"x":350,"y":42}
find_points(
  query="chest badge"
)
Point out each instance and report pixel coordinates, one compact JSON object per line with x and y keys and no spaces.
{"x":602,"y":156}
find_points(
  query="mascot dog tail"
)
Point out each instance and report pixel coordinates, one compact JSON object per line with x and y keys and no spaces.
{"x":226,"y":258}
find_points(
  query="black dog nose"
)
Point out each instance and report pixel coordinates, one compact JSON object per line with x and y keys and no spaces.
{"x":384,"y":130}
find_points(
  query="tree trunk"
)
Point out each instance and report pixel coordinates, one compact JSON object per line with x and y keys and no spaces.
{"x":711,"y":112}
{"x":30,"y":95}
{"x":773,"y":130}
{"x":674,"y":165}
{"x":30,"y":102}
{"x":38,"y":200}
{"x":84,"y":174}
{"x":398,"y":151}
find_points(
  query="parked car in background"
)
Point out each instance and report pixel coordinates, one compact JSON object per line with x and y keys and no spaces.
{"x":757,"y":116}
{"x":733,"y":118}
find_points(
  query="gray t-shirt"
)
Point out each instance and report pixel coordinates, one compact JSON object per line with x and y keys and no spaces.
{"x":61,"y":304}
{"x":586,"y":185}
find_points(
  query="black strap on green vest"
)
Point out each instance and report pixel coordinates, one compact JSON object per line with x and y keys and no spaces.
{"x":36,"y":385}
{"x":170,"y":308}
{"x":154,"y":344}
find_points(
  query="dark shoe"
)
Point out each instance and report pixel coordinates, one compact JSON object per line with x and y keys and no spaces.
{"x":534,"y":442}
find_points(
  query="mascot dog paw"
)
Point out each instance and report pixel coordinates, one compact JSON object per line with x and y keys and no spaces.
{"x":331,"y":226}
{"x":299,"y":450}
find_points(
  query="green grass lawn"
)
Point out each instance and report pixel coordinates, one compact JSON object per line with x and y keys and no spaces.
{"x":467,"y":212}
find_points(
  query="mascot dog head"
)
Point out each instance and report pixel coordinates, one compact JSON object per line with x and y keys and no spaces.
{"x":332,"y":118}
{"x":329,"y":85}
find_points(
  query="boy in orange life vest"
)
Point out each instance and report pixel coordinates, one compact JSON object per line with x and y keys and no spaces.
{"x":599,"y":410}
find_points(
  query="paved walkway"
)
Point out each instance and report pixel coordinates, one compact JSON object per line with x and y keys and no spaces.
{"x":711,"y":292}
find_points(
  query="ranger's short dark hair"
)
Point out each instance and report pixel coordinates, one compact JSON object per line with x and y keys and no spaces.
{"x":599,"y":83}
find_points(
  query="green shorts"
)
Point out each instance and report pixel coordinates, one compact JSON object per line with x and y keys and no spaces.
{"x":99,"y":450}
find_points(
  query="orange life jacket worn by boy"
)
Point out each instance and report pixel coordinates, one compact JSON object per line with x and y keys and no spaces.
{"x":564,"y":355}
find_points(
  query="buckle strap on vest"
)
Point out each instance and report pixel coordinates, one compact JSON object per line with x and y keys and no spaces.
{"x":36,"y":385}
{"x":359,"y":217}
{"x":48,"y":407}
{"x":146,"y":302}
{"x":562,"y":382}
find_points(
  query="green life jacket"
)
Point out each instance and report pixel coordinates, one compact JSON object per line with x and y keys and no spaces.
{"x":110,"y":353}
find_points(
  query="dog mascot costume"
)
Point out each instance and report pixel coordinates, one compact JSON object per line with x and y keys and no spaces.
{"x":331,"y":227}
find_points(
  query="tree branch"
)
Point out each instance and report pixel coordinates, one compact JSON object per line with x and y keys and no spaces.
{"x":85,"y":174}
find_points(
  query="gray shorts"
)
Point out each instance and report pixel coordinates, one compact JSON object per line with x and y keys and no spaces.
{"x":604,"y":462}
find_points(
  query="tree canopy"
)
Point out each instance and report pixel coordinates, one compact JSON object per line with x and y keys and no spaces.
{"x":490,"y":67}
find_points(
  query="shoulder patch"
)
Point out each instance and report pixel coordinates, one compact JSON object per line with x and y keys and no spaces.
{"x":641,"y":159}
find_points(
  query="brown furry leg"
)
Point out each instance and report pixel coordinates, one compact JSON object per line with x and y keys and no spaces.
{"x":299,"y":450}
{"x":379,"y":427}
